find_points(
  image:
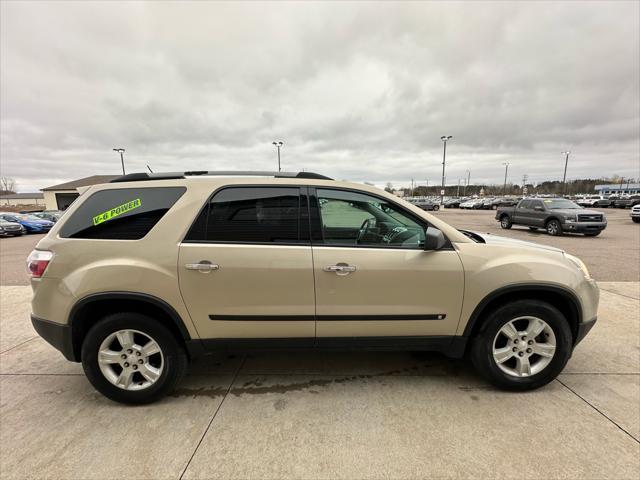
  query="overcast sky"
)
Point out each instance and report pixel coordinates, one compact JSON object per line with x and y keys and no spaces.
{"x":359,"y":91}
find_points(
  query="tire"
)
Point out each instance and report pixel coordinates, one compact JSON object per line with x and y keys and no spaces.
{"x":505,"y":222}
{"x":170,"y":361}
{"x":594,"y":234}
{"x":556,"y":331}
{"x":436,"y":208}
{"x":636,"y":220}
{"x":494,"y":207}
{"x":554,"y":228}
{"x":533,"y":229}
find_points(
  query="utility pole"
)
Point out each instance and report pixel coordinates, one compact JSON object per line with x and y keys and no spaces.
{"x":121,"y":152}
{"x":506,"y":169}
{"x":445,"y":139}
{"x":564,"y":177}
{"x":278,"y":144}
{"x":620,"y":187}
{"x":458,"y":193}
{"x":524,"y":183}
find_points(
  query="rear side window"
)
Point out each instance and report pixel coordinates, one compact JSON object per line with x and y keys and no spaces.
{"x":250,"y":215}
{"x":121,"y":214}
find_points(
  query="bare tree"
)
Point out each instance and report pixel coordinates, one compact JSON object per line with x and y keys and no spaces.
{"x":7,"y":185}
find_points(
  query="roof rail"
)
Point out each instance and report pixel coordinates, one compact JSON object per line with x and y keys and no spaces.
{"x":144,"y":176}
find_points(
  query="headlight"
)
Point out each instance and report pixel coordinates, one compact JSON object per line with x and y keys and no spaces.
{"x":578,"y":263}
{"x":570,"y":218}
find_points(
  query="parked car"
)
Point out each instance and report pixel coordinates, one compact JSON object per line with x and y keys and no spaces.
{"x":504,"y":202}
{"x":635,"y":213}
{"x":594,"y":202}
{"x":31,"y":223}
{"x":11,"y":229}
{"x":486,"y":204}
{"x":427,"y":205}
{"x":145,"y":273}
{"x":454,"y":202}
{"x":627,"y":202}
{"x":555,"y":215}
{"x":51,"y":215}
{"x":473,"y":204}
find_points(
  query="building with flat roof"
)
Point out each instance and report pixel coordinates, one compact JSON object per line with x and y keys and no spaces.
{"x":618,"y":189}
{"x":59,"y":197}
{"x":32,"y":198}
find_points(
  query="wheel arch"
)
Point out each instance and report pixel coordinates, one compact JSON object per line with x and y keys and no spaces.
{"x":560,"y":297}
{"x":553,"y":217}
{"x":92,"y":308}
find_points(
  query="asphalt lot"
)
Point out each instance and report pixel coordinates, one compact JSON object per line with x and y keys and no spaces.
{"x":335,"y":415}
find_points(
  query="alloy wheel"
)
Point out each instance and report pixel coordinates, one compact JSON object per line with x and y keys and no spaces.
{"x":524,"y":346}
{"x":130,"y":359}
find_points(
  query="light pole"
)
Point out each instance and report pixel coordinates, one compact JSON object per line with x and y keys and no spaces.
{"x":278,"y":144}
{"x":564,"y":177}
{"x":464,"y":191}
{"x":506,"y":169}
{"x":121,"y":152}
{"x":445,"y":139}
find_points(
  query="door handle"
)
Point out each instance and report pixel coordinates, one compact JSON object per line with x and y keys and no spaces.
{"x":340,"y":269}
{"x":204,"y":266}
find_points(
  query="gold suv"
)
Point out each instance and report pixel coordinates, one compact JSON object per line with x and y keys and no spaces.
{"x":151,"y":270}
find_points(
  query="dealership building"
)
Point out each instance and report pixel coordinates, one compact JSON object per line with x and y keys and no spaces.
{"x":618,"y":189}
{"x":15,"y":199}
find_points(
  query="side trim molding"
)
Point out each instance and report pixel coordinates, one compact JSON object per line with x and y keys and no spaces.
{"x":327,"y":318}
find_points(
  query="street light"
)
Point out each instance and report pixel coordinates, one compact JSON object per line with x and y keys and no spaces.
{"x":121,"y":152}
{"x":564,"y":178}
{"x":464,"y":191}
{"x":278,"y":144}
{"x":506,"y":169}
{"x":445,"y":139}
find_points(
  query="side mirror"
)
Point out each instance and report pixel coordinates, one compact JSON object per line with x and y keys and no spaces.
{"x":433,"y":239}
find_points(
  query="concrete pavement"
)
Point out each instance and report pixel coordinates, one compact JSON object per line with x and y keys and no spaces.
{"x":327,"y":415}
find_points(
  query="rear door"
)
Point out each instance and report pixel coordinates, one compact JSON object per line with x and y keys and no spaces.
{"x":373,"y":278}
{"x":246,"y":268}
{"x":537,"y":216}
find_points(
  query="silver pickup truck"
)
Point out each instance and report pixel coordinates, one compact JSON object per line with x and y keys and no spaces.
{"x":555,"y":215}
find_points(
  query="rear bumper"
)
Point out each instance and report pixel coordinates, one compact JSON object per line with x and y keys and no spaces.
{"x":56,"y":334}
{"x":584,"y":328}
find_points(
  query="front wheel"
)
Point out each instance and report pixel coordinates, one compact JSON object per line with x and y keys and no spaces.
{"x":505,"y":222}
{"x":132,"y":358}
{"x":522,"y":345}
{"x":554,"y":228}
{"x":436,"y":208}
{"x":636,"y":220}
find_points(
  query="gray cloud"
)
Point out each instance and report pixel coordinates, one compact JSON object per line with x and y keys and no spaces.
{"x":356,"y":90}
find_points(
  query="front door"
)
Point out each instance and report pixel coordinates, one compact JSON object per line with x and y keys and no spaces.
{"x":373,"y":277}
{"x":246,"y":268}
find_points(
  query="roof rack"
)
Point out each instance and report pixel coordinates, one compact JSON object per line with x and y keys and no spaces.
{"x":144,"y":176}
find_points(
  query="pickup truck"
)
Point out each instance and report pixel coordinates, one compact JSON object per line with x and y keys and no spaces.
{"x":555,"y":215}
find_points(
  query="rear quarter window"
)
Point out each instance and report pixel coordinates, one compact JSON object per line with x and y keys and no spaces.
{"x":121,"y":214}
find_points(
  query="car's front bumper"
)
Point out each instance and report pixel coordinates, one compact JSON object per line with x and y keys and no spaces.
{"x":56,"y":334}
{"x":584,"y":227}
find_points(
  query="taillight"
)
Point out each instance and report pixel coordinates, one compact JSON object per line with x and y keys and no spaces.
{"x":37,"y":262}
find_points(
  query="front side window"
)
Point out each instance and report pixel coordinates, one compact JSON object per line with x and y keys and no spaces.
{"x":250,"y":215}
{"x":356,"y":219}
{"x":524,"y":204}
{"x":121,"y":213}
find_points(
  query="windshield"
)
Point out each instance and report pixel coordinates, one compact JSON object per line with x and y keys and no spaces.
{"x":560,"y":203}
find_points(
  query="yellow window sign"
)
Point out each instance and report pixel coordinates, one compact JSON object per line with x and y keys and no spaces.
{"x":116,"y":211}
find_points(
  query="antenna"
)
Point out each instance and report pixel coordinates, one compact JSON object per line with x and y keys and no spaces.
{"x":151,"y":171}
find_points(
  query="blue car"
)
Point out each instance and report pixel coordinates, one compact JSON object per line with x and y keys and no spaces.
{"x":31,"y":223}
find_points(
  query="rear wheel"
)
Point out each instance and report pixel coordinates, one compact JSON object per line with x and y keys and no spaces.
{"x":522,"y":345}
{"x":436,"y":208}
{"x":554,"y":228}
{"x":505,"y":222}
{"x":132,"y":358}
